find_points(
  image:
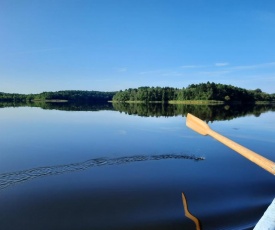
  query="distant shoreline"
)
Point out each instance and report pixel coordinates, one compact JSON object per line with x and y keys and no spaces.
{"x":203,"y":93}
{"x":52,"y":100}
{"x":174,"y":102}
{"x":195,"y":102}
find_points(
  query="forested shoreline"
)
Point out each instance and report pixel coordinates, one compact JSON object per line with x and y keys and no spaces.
{"x":66,"y":95}
{"x":203,"y":92}
{"x":200,"y":92}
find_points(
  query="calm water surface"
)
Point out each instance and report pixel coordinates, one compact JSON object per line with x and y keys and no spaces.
{"x":110,"y":170}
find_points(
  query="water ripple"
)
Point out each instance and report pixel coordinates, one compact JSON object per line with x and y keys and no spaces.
{"x":12,"y":178}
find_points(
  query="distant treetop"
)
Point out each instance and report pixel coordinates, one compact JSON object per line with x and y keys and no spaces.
{"x":202,"y":91}
{"x":69,"y":95}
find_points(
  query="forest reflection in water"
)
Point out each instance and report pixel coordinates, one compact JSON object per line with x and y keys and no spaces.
{"x":128,"y":158}
{"x":206,"y":112}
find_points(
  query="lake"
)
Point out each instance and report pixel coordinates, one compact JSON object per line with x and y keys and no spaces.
{"x":125,"y":166}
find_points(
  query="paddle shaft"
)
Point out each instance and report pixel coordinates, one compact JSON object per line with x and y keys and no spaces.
{"x":250,"y":155}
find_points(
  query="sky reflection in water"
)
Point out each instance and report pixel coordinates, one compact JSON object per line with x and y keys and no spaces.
{"x":142,"y":194}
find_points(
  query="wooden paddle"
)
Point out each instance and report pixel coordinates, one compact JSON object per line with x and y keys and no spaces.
{"x":201,"y":127}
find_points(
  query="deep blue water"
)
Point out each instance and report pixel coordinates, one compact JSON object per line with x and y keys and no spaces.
{"x":109,"y":170}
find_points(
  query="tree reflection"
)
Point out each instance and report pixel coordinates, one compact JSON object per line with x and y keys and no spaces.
{"x":206,"y":112}
{"x":65,"y":106}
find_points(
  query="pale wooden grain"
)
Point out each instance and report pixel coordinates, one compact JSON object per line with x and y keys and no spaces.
{"x":201,"y":127}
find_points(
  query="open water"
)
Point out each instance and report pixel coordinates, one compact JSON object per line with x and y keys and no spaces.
{"x":126,"y":167}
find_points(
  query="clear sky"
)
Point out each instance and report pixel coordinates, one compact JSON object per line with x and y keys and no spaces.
{"x":108,"y":45}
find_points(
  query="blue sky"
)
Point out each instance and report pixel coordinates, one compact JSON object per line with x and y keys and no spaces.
{"x":108,"y":45}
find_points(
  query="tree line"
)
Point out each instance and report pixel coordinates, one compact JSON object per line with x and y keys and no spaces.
{"x":202,"y":91}
{"x":68,"y":95}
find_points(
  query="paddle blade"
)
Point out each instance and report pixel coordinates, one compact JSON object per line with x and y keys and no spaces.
{"x":197,"y":124}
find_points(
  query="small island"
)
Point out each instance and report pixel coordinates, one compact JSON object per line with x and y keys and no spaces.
{"x":203,"y":93}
